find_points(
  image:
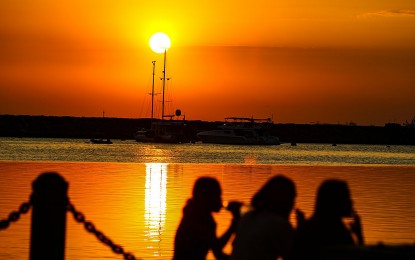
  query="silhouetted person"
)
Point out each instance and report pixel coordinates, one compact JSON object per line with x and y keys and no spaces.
{"x":196,"y":234}
{"x":326,"y":227}
{"x":265,"y":232}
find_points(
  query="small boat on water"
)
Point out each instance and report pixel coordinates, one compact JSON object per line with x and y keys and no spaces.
{"x":101,"y":141}
{"x":241,"y":131}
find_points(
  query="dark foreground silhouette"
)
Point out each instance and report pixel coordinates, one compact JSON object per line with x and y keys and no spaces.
{"x":326,"y":228}
{"x":196,"y":234}
{"x":265,"y":232}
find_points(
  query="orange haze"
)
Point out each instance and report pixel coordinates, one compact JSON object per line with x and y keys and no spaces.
{"x":298,"y":62}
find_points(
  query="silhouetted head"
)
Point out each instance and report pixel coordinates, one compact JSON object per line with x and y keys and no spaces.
{"x":207,"y":193}
{"x":333,"y":199}
{"x":277,"y":195}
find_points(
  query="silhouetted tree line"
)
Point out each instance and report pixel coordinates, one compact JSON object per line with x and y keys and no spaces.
{"x":124,"y":128}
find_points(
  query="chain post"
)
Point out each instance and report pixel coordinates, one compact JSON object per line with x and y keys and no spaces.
{"x":48,"y":228}
{"x":50,"y":204}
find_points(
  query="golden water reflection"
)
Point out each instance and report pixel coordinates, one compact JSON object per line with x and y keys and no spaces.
{"x":139,"y":206}
{"x":155,"y":204}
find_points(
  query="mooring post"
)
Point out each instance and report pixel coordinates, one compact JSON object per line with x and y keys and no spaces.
{"x":49,"y":200}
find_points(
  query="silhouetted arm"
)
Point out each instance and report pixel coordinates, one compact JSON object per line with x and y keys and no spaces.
{"x":220,"y":243}
{"x":227,"y":235}
{"x":235,"y":209}
{"x":356,"y":227}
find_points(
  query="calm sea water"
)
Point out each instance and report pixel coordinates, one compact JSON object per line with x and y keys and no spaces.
{"x":79,"y":150}
{"x":134,"y":193}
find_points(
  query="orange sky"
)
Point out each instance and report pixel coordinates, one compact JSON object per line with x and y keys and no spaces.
{"x":298,"y":61}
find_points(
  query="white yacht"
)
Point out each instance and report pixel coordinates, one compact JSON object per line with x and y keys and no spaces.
{"x":242,"y":131}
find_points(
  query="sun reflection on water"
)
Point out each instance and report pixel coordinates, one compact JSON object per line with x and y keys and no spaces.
{"x":250,"y":159}
{"x":155,"y":204}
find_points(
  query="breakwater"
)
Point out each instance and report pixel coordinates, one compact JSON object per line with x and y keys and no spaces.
{"x":125,"y":128}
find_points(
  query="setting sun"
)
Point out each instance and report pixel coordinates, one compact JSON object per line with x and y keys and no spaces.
{"x":160,"y":42}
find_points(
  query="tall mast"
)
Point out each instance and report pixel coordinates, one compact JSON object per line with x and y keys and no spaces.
{"x":164,"y":84}
{"x":152,"y":91}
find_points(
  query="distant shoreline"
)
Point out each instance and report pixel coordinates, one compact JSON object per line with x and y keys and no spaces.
{"x":125,"y":128}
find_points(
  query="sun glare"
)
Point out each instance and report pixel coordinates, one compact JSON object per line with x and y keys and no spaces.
{"x":160,"y":42}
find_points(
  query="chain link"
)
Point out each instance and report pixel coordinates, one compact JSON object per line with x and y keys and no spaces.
{"x":79,"y":217}
{"x":89,"y":226}
{"x":15,"y":215}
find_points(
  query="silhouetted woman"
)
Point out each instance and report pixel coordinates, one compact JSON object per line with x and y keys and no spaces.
{"x":196,"y":234}
{"x":265,"y":232}
{"x":326,"y":227}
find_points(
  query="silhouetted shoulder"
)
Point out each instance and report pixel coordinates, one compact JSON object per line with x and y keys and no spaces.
{"x":195,"y":234}
{"x":326,"y":228}
{"x":266,"y":233}
{"x":314,"y":236}
{"x":262,"y":235}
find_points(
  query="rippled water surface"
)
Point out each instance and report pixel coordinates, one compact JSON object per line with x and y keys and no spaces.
{"x":79,"y":150}
{"x":134,"y":192}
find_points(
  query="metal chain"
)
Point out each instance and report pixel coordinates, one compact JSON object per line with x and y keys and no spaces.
{"x":15,"y":215}
{"x":80,"y":218}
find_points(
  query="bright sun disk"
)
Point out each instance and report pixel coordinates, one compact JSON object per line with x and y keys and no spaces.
{"x":160,"y":42}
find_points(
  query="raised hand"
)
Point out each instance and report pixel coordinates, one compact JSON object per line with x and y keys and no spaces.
{"x":356,"y":227}
{"x":235,"y":208}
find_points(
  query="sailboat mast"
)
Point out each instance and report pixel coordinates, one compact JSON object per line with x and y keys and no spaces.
{"x":152,"y":91}
{"x":164,"y":84}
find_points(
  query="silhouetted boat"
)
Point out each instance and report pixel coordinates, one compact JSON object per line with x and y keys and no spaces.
{"x":101,"y":141}
{"x":242,"y":131}
{"x":165,"y":131}
{"x":145,"y":135}
{"x":162,"y":130}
